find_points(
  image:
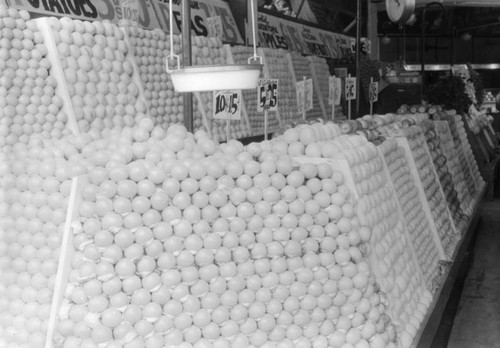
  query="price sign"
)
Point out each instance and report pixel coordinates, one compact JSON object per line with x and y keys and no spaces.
{"x":214,"y":26}
{"x":226,"y":105}
{"x":350,"y":88}
{"x":267,"y":95}
{"x":373,"y":92}
{"x":335,"y":88}
{"x":309,"y":94}
{"x":304,"y":90}
{"x":300,"y":88}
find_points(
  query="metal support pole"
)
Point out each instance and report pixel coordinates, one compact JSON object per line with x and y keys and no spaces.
{"x":358,"y":54}
{"x":422,"y":43}
{"x":187,"y":61}
{"x":422,"y":51}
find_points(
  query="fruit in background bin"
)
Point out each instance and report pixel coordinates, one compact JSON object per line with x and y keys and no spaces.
{"x":30,"y":107}
{"x":403,"y":109}
{"x":278,"y":67}
{"x":150,"y":48}
{"x":98,"y":73}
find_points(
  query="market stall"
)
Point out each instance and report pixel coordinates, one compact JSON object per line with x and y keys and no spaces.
{"x":120,"y":228}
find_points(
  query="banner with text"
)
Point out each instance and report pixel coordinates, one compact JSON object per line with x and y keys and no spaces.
{"x":275,"y":32}
{"x":140,"y":11}
{"x":200,"y":11}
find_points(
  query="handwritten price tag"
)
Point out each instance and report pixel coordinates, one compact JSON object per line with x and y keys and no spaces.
{"x":309,"y":94}
{"x":373,"y":92}
{"x":304,"y":90}
{"x":300,"y":89}
{"x":267,"y":94}
{"x":226,"y":105}
{"x":350,"y":88}
{"x":335,"y":90}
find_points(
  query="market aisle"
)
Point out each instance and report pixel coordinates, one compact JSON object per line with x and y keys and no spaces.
{"x":477,"y":321}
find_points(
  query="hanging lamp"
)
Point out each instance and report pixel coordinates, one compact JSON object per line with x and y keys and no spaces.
{"x":214,"y":77}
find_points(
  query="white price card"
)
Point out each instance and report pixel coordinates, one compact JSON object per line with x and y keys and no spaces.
{"x":214,"y":26}
{"x":227,"y":105}
{"x":309,"y":94}
{"x":373,"y":92}
{"x":267,"y":94}
{"x":300,"y":89}
{"x":350,"y":88}
{"x":335,"y":90}
{"x":130,"y":10}
{"x":304,"y":90}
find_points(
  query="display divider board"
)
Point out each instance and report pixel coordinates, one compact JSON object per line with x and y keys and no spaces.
{"x":136,"y":75}
{"x":317,"y":88}
{"x":290,"y":64}
{"x":479,"y":152}
{"x":267,"y":74}
{"x":57,"y":72}
{"x":400,"y":210}
{"x":65,"y":256}
{"x":204,"y":116}
{"x":400,"y":213}
{"x":449,"y":152}
{"x":244,"y":112}
{"x":403,"y":143}
{"x":469,"y":154}
{"x":441,"y":192}
{"x":460,"y":145}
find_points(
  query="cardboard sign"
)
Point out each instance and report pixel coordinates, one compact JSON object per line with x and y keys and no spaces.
{"x":200,"y":11}
{"x":227,"y":105}
{"x":373,"y":92}
{"x":304,"y":95}
{"x":141,"y":11}
{"x":267,"y":94}
{"x":300,"y":90}
{"x":130,"y":10}
{"x":335,"y":90}
{"x":350,"y":88}
{"x":276,"y":32}
{"x":309,"y":94}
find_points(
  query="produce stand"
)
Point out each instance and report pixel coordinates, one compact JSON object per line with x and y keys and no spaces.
{"x":218,"y":214}
{"x":430,"y":325}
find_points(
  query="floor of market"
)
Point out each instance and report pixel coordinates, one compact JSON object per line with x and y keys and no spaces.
{"x":472,"y":318}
